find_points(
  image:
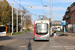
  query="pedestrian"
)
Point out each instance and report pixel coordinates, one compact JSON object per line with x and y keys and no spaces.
{"x":55,"y":34}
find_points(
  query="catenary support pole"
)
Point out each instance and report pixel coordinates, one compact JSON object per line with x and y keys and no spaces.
{"x":17,"y":21}
{"x":51,"y":14}
{"x":12,"y":18}
{"x":21,"y":23}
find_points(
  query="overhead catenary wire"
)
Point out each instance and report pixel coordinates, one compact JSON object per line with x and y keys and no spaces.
{"x":19,"y":4}
{"x":41,"y":2}
{"x":42,"y":5}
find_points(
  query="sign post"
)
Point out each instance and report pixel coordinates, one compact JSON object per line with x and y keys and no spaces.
{"x":64,"y":23}
{"x":64,"y":30}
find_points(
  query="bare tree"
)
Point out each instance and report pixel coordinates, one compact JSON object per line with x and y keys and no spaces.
{"x":28,"y":21}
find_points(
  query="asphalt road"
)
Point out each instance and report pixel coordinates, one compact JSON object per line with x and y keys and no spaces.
{"x":71,"y":34}
{"x":25,"y":42}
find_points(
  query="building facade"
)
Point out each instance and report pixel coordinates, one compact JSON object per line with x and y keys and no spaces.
{"x":70,"y":17}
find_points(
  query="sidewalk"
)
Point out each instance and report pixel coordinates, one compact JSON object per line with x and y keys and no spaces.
{"x":71,"y":34}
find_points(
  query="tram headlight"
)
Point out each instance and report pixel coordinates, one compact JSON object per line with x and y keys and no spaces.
{"x":47,"y":35}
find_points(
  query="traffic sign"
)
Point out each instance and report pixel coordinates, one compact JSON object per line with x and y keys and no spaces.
{"x":31,"y":7}
{"x":63,"y":22}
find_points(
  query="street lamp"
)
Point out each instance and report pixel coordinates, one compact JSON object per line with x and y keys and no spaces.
{"x":12,"y":18}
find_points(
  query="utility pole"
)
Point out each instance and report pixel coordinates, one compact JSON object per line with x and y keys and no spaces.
{"x":24,"y":23}
{"x":17,"y":21}
{"x":12,"y":18}
{"x":21,"y":22}
{"x":51,"y":15}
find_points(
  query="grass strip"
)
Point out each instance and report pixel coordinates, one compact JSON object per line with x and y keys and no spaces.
{"x":15,"y":33}
{"x":60,"y":32}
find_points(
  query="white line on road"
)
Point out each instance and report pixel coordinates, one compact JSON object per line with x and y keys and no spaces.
{"x":43,"y":46}
{"x":22,"y":46}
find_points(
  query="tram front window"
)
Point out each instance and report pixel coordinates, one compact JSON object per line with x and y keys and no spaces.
{"x":41,"y":28}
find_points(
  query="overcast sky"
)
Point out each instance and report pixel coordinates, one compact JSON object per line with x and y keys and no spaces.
{"x":59,"y":7}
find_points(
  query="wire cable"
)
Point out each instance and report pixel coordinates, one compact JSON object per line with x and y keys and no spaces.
{"x":19,"y":4}
{"x":41,"y":2}
{"x":42,"y":5}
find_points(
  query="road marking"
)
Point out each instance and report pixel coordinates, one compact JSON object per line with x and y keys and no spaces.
{"x":69,"y":36}
{"x":17,"y":40}
{"x":22,"y":46}
{"x":2,"y":43}
{"x":16,"y":43}
{"x":43,"y":45}
{"x":66,"y":43}
{"x":40,"y":49}
{"x":32,"y":46}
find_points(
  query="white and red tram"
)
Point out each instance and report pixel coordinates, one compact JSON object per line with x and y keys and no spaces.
{"x":41,"y":30}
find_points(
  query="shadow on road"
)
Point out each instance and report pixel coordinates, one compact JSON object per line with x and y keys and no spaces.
{"x":63,"y":35}
{"x":29,"y":46}
{"x":5,"y":38}
{"x":29,"y":38}
{"x":41,"y":40}
{"x":6,"y":48}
